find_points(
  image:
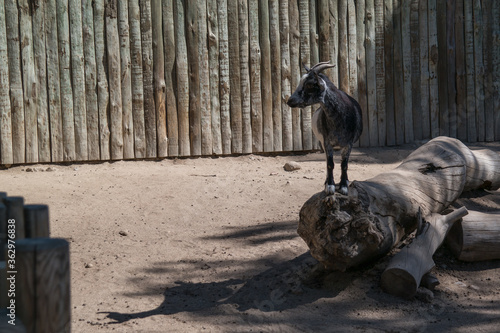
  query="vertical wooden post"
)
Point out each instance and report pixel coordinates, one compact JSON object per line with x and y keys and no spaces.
{"x":15,"y":211}
{"x":234,"y":77}
{"x":126,"y":80}
{"x":40,"y":56}
{"x":433,"y":68}
{"x":324,"y":31}
{"x":115,"y":91}
{"x":3,"y":230}
{"x":255,"y":76}
{"x":15,"y":81}
{"x":36,"y":221}
{"x":469,"y":65}
{"x":204,"y":77}
{"x":224,"y":84}
{"x":245,"y":77}
{"x":343,"y":47}
{"x":295,"y":67}
{"x":276,"y":74}
{"x":461,"y":82}
{"x":451,"y":122}
{"x":90,"y":82}
{"x":134,"y":17}
{"x":444,"y":121}
{"x":333,"y":42}
{"x":380,"y":72}
{"x":479,"y":69}
{"x":313,"y":38}
{"x":364,"y":140}
{"x":170,"y":98}
{"x":78,"y":80}
{"x":415,"y":72}
{"x":267,"y":101}
{"x":102,"y":80}
{"x":424,"y":69}
{"x":182,"y":79}
{"x":352,"y":36}
{"x":43,"y":284}
{"x":159,"y":79}
{"x":305,"y":58}
{"x":371,"y":73}
{"x":488,"y":24}
{"x":6,"y":156}
{"x":496,"y":67}
{"x":286,"y":111}
{"x":389,"y":72}
{"x":147,"y":72}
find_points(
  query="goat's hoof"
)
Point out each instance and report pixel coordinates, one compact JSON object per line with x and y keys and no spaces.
{"x":329,"y":201}
{"x":330,"y":189}
{"x":344,"y":190}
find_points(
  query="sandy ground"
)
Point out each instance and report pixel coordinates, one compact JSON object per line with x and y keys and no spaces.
{"x":210,"y":245}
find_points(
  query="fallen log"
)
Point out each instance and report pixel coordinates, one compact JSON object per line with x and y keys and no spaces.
{"x":476,"y":237}
{"x":404,"y":273}
{"x":346,"y":231}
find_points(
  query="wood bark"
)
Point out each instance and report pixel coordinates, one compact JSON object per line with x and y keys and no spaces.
{"x":415,"y":71}
{"x":479,"y":69}
{"x":476,"y":237}
{"x":324,"y":31}
{"x":390,"y":135}
{"x":6,"y":155}
{"x":255,"y":76}
{"x":224,"y":85}
{"x":305,"y":59}
{"x":403,"y":275}
{"x":371,"y":73}
{"x":488,"y":42}
{"x":159,"y":79}
{"x":40,"y":55}
{"x":126,"y":80}
{"x":295,"y":68}
{"x":267,"y":100}
{"x":314,"y":38}
{"x":333,"y":41}
{"x":345,"y":231}
{"x":424,"y":69}
{"x":469,"y":70}
{"x":102,"y":79}
{"x":234,"y":77}
{"x":213,"y":61}
{"x":182,"y":79}
{"x":134,"y":16}
{"x":78,"y":80}
{"x":352,"y":48}
{"x":286,"y":111}
{"x":407,"y":57}
{"x":343,"y":47}
{"x":147,"y":76}
{"x":449,"y":121}
{"x":380,"y":72}
{"x":364,"y":139}
{"x":276,"y":74}
{"x":68,"y":121}
{"x":90,"y":82}
{"x":115,"y":91}
{"x":442,"y":56}
{"x":461,"y":84}
{"x":245,"y":77}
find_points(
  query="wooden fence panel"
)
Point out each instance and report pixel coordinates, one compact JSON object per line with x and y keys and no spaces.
{"x":113,"y":79}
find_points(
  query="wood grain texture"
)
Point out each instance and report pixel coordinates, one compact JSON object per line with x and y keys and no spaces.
{"x":6,"y":155}
{"x":224,"y":85}
{"x":255,"y":77}
{"x":266,"y":85}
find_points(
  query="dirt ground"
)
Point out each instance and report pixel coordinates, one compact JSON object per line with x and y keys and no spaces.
{"x":210,"y":245}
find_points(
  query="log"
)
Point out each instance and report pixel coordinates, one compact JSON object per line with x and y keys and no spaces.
{"x":255,"y":76}
{"x":479,"y":69}
{"x":415,"y":71}
{"x":371,"y":75}
{"x":182,"y":79}
{"x":15,"y":211}
{"x":345,"y":231}
{"x":364,"y":139}
{"x":170,"y":98}
{"x":6,"y":156}
{"x":15,"y":81}
{"x":267,"y":101}
{"x":449,"y":117}
{"x":102,"y":79}
{"x":488,"y":24}
{"x":78,"y":80}
{"x":442,"y":56}
{"x":389,"y":72}
{"x":461,"y":87}
{"x":115,"y":90}
{"x":343,"y":57}
{"x":398,"y":75}
{"x":424,"y":69}
{"x":295,"y":69}
{"x":159,"y":80}
{"x":433,"y":68}
{"x":407,"y":58}
{"x":333,"y":35}
{"x":305,"y":58}
{"x":403,"y":275}
{"x":245,"y":77}
{"x":380,"y":72}
{"x":286,"y":75}
{"x":43,"y":284}
{"x":204,"y":96}
{"x":147,"y":76}
{"x":476,"y":237}
{"x":90,"y":82}
{"x":134,"y":16}
{"x":274,"y":28}
{"x":469,"y":72}
{"x":126,"y":80}
{"x":3,"y":229}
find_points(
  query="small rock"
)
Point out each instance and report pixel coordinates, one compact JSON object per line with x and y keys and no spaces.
{"x":292,"y":166}
{"x":50,"y":169}
{"x":123,"y":233}
{"x":460,"y":284}
{"x":89,"y":265}
{"x":473,"y":287}
{"x":30,"y":169}
{"x":424,"y":294}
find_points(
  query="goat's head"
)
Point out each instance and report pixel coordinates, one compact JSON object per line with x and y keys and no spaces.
{"x":311,"y":87}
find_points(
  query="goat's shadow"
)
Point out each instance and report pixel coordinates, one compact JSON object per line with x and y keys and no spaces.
{"x":284,"y":286}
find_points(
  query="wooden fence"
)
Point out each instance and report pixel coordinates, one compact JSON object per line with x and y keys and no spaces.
{"x":116,"y":79}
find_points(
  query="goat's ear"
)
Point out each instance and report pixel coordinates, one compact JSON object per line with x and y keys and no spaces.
{"x":306,"y":68}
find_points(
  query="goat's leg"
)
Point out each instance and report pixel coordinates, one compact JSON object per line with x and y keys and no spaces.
{"x":329,"y":183}
{"x":344,"y":182}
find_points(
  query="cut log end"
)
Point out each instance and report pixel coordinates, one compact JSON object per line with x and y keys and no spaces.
{"x":399,"y":282}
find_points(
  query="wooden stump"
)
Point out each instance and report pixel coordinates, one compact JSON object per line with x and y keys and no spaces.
{"x":346,"y":231}
{"x":43,"y":284}
{"x":36,"y":221}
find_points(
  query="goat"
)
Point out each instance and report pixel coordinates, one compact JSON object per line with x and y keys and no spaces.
{"x":338,"y":121}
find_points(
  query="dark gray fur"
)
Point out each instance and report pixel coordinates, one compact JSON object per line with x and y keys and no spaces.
{"x":338,"y":121}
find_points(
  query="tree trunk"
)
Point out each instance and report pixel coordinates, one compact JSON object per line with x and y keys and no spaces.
{"x":345,"y":231}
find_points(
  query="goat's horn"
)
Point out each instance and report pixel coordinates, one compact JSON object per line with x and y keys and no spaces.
{"x":306,"y":68}
{"x":319,"y":67}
